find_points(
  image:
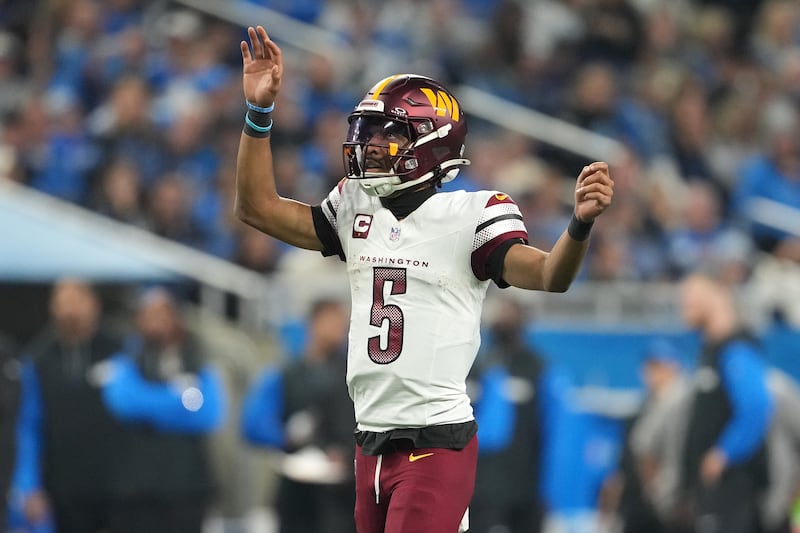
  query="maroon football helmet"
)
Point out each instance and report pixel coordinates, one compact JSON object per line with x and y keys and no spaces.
{"x":417,"y":122}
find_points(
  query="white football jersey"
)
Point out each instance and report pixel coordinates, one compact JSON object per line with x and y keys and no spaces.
{"x":417,"y":288}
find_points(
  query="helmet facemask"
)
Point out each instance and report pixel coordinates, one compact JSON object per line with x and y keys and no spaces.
{"x":378,"y":152}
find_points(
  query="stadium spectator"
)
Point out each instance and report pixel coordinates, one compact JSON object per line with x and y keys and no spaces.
{"x":169,"y":209}
{"x":592,"y":102}
{"x":743,"y":15}
{"x":658,"y":435}
{"x":213,"y":217}
{"x":120,"y":194}
{"x":614,"y":33}
{"x":724,"y":467}
{"x":9,"y":405}
{"x":783,"y":447}
{"x":419,"y":265}
{"x":732,"y":141}
{"x":710,"y":53}
{"x":70,"y":156}
{"x":171,"y":66}
{"x":124,"y":129}
{"x":257,"y":251}
{"x":775,"y":29}
{"x":188,"y":150}
{"x":506,"y":384}
{"x":494,"y":63}
{"x":127,"y":51}
{"x":167,"y":396}
{"x":321,"y":154}
{"x":13,"y":84}
{"x":320,"y":90}
{"x":702,"y":240}
{"x":690,"y":121}
{"x":68,"y":444}
{"x":772,"y":176}
{"x":76,"y":44}
{"x":644,"y":109}
{"x":303,"y":409}
{"x":652,"y":452}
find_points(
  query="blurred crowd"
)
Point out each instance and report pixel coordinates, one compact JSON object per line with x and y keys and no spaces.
{"x":134,"y":109}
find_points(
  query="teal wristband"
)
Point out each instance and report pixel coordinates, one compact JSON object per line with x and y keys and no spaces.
{"x":253,"y":129}
{"x":257,"y":109}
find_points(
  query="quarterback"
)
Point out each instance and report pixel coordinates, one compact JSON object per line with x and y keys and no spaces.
{"x":419,"y":263}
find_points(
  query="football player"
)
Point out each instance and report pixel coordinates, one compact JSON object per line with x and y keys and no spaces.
{"x":419,"y":264}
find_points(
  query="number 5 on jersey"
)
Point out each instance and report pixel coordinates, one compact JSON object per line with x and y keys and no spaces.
{"x":381,"y":311}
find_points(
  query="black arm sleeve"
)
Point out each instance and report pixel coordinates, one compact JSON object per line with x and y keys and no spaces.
{"x":326,"y":234}
{"x":494,"y":265}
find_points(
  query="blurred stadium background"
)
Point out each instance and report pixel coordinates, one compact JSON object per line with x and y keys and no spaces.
{"x":119,"y":122}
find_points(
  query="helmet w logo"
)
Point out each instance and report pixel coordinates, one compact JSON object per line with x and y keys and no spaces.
{"x":443,"y":103}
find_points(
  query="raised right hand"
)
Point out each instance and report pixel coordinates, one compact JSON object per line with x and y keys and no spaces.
{"x":262,"y":69}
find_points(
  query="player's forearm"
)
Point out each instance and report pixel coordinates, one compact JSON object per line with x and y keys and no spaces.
{"x":255,"y":182}
{"x":527,"y":267}
{"x":258,"y":203}
{"x":563,"y":263}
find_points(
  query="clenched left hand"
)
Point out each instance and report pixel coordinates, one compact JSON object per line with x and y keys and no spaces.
{"x":594,"y":190}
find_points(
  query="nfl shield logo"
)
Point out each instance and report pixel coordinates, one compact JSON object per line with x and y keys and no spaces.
{"x":394,"y":234}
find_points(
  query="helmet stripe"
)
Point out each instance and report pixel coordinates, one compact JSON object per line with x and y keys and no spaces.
{"x":376,"y":90}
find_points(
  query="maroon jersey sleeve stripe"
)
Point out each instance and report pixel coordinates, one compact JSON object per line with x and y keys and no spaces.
{"x":480,"y":257}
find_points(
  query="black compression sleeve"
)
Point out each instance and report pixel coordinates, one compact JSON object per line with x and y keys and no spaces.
{"x":326,"y":234}
{"x":494,"y":266}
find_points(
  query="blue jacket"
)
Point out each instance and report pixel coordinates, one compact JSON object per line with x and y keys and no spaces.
{"x":191,"y":404}
{"x":262,"y":411}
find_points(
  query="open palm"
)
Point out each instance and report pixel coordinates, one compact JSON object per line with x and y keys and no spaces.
{"x":262,"y":68}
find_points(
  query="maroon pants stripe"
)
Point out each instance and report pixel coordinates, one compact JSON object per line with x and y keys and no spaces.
{"x":419,"y":490}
